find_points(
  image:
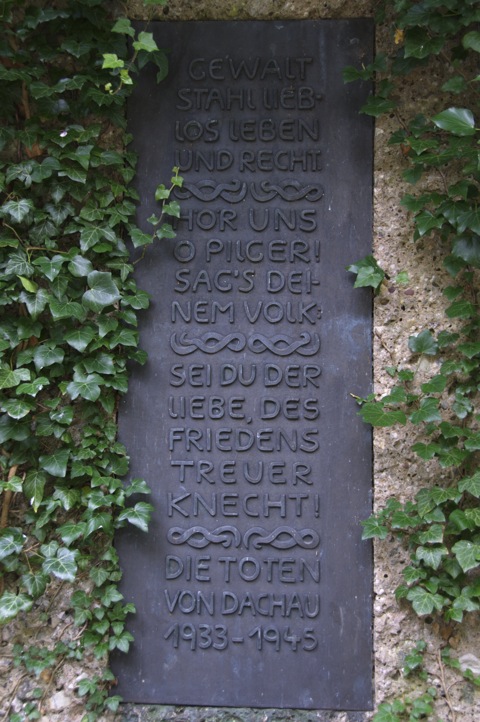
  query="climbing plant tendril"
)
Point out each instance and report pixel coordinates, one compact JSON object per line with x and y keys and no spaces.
{"x":440,"y":524}
{"x":68,"y":320}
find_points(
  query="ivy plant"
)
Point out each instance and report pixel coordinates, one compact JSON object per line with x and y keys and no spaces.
{"x":68,"y":320}
{"x":440,"y":523}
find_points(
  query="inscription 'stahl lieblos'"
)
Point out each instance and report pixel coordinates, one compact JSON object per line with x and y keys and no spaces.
{"x":253,"y":587}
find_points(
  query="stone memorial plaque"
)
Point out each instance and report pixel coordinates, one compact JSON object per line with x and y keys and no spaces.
{"x":253,"y":587}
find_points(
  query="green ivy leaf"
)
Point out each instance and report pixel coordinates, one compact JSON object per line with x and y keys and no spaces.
{"x":458,"y":121}
{"x":46,"y":355}
{"x":63,"y":415}
{"x":9,"y":378}
{"x":137,"y":300}
{"x":35,"y":583}
{"x":413,"y":574}
{"x":13,"y":604}
{"x":14,"y":483}
{"x":374,"y":413}
{"x":413,"y":175}
{"x":85,"y":385}
{"x":80,"y":266}
{"x":165,"y":231}
{"x":431,"y":556}
{"x":469,"y":219}
{"x":50,"y":267}
{"x":377,"y":106}
{"x":139,"y":515}
{"x":427,"y":499}
{"x":92,"y":235}
{"x":79,"y":338}
{"x":172,"y":209}
{"x":67,"y":496}
{"x":98,"y":575}
{"x":473,"y":442}
{"x":424,"y":602}
{"x":471,"y":484}
{"x":35,"y":304}
{"x":137,"y":486}
{"x":66,"y":309}
{"x":75,"y":174}
{"x":28,"y":285}
{"x":33,"y":388}
{"x":63,"y":565}
{"x":17,"y":210}
{"x":456,"y":84}
{"x":34,"y":487}
{"x":18,"y":265}
{"x":17,"y":408}
{"x":470,"y":350}
{"x":102,"y":363}
{"x":452,"y":456}
{"x":121,"y":641}
{"x":98,"y":520}
{"x":103,"y":291}
{"x":386,"y":713}
{"x":13,"y":430}
{"x":461,"y":309}
{"x":473,"y":515}
{"x":459,"y":522}
{"x":111,"y":596}
{"x":468,"y":249}
{"x":420,"y":44}
{"x":59,"y":213}
{"x":402,"y":278}
{"x":71,"y":531}
{"x":11,"y":542}
{"x":373,"y":528}
{"x":462,"y":405}
{"x":402,"y":520}
{"x":428,"y":411}
{"x":124,"y":337}
{"x":55,"y":463}
{"x":161,"y":193}
{"x":423,"y":343}
{"x":113,"y":703}
{"x":467,"y":554}
{"x":369,"y":273}
{"x":139,"y":238}
{"x":436,"y":384}
{"x":471,"y":41}
{"x":145,"y":42}
{"x":112,"y":61}
{"x":426,"y":221}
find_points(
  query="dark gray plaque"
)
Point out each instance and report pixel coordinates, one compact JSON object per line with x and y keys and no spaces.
{"x":253,"y":587}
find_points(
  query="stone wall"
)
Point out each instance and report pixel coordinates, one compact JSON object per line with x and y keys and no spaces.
{"x":400,"y":310}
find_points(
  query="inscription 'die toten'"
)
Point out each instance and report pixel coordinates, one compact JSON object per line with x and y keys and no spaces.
{"x":252,"y":587}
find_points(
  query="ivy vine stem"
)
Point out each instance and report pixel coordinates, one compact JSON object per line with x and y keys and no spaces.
{"x":7,"y":499}
{"x":445,"y":687}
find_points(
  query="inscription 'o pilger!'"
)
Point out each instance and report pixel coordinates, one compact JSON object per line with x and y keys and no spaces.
{"x":280,"y":344}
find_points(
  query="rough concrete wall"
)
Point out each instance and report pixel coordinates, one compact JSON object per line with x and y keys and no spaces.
{"x":400,"y":311}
